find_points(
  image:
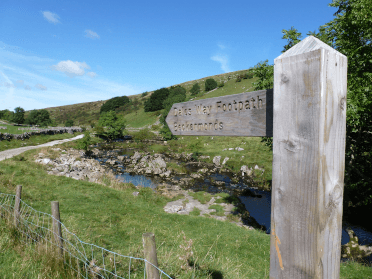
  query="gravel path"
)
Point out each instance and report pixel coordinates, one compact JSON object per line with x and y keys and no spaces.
{"x":13,"y":152}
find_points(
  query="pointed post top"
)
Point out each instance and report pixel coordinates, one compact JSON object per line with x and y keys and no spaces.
{"x":308,"y":44}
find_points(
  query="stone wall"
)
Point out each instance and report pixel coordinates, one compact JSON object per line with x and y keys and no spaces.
{"x":49,"y":131}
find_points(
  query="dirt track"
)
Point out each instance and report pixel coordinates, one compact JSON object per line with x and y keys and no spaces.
{"x":13,"y":152}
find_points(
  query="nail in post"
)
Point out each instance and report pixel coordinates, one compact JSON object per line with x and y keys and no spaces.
{"x":150,"y":255}
{"x":57,"y":226}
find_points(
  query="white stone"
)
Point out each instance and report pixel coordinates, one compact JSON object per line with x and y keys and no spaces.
{"x":225,"y":160}
{"x":217,"y":160}
{"x":45,"y":161}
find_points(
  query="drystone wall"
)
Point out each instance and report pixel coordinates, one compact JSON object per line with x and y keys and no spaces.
{"x":49,"y":131}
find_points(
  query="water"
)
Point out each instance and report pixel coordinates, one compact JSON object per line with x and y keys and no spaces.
{"x":258,"y":206}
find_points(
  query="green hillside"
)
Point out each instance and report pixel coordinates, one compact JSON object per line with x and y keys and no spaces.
{"x":136,"y":117}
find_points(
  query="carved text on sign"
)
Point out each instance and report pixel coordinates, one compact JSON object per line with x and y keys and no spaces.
{"x":225,"y":114}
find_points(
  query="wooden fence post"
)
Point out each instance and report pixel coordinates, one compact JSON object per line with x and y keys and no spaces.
{"x":308,"y":161}
{"x":57,"y":231}
{"x":17,"y":205}
{"x":150,"y":255}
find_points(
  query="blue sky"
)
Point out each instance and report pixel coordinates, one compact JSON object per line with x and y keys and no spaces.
{"x":56,"y":52}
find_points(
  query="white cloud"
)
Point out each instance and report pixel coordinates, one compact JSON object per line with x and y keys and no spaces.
{"x":40,"y":86}
{"x":91,"y":34}
{"x":27,"y":87}
{"x":221,"y":46}
{"x":51,"y":17}
{"x":71,"y":68}
{"x":9,"y":85}
{"x":92,"y":74}
{"x":224,"y":60}
{"x":20,"y":81}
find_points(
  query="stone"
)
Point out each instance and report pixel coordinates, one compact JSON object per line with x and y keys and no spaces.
{"x":45,"y":161}
{"x":225,"y":160}
{"x":135,"y":157}
{"x":245,"y":170}
{"x":216,"y":160}
{"x":135,"y":193}
{"x":239,"y":149}
{"x":173,"y":208}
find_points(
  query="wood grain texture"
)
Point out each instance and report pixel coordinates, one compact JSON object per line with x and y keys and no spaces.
{"x":308,"y":163}
{"x":246,"y":114}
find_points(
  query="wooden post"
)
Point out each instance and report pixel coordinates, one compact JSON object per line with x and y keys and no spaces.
{"x":308,"y":161}
{"x":17,"y":205}
{"x":150,"y":255}
{"x":57,"y":226}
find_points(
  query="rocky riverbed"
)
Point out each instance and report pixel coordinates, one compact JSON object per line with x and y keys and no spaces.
{"x":173,"y":182}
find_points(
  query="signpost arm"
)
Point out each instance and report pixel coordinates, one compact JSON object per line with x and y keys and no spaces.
{"x":308,"y":161}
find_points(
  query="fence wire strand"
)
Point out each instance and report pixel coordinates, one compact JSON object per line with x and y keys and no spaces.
{"x":87,"y":260}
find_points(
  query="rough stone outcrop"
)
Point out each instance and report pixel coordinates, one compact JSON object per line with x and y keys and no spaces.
{"x":73,"y":164}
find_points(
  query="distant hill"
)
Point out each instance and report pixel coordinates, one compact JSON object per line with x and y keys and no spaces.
{"x":88,"y":113}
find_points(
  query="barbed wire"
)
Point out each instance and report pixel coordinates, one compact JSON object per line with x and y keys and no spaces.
{"x":87,"y":260}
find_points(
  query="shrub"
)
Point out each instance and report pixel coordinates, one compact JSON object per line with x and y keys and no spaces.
{"x":144,"y":94}
{"x":210,"y":84}
{"x":39,"y":117}
{"x":114,"y":103}
{"x":248,"y":75}
{"x":221,"y":84}
{"x":195,"y":89}
{"x":85,"y":142}
{"x":238,"y":79}
{"x":156,"y":100}
{"x":69,"y":123}
{"x":114,"y":125}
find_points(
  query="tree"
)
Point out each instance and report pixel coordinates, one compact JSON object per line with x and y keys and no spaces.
{"x":19,"y":115}
{"x":210,"y":84}
{"x":156,"y":100}
{"x":350,"y":33}
{"x":265,"y":74}
{"x":39,"y":117}
{"x":113,"y":126}
{"x":6,"y":114}
{"x":114,"y":103}
{"x":195,"y":89}
{"x":69,"y":123}
{"x":292,"y":36}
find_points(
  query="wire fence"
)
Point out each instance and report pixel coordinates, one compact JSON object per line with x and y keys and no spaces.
{"x":87,"y":260}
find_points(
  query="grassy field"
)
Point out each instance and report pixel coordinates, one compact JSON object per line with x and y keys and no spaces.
{"x":34,"y":140}
{"x":116,"y":219}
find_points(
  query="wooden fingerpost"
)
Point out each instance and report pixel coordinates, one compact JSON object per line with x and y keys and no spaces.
{"x":150,"y":255}
{"x":17,"y":205}
{"x":57,"y":231}
{"x":308,"y":161}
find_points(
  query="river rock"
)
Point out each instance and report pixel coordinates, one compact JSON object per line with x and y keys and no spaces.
{"x":245,"y":170}
{"x":225,"y":160}
{"x":217,"y":160}
{"x":135,"y":157}
{"x":353,"y":249}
